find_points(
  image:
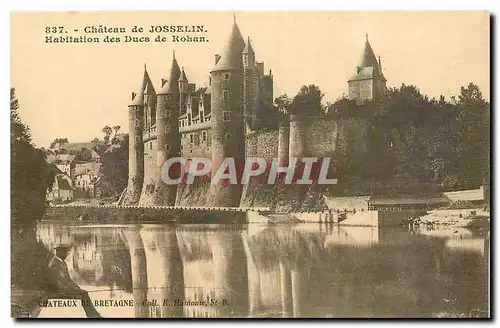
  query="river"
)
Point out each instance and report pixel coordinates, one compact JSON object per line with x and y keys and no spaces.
{"x":303,"y":270}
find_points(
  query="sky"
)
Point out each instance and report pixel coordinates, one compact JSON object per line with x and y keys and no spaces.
{"x":73,"y":90}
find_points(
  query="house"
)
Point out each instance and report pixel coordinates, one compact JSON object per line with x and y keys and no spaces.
{"x":64,"y":162}
{"x":62,"y":190}
{"x":85,"y":177}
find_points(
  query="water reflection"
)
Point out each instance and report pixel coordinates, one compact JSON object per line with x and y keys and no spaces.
{"x":307,"y":270}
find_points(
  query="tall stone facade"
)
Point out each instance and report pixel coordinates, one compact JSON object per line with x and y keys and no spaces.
{"x":223,"y":120}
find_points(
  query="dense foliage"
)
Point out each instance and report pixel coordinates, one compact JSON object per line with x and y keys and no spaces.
{"x":30,"y":174}
{"x":420,"y":139}
{"x":114,"y":168}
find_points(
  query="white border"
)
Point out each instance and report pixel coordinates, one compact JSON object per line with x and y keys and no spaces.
{"x":93,"y":5}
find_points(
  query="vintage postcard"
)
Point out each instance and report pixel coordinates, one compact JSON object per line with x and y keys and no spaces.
{"x":250,"y":164}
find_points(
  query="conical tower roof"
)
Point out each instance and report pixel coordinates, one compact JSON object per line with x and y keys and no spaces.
{"x":172,"y":84}
{"x":368,"y":58}
{"x":145,"y":88}
{"x":231,"y":56}
{"x":248,"y":48}
{"x":183,"y":77}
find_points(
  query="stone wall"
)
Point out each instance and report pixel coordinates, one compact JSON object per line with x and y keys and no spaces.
{"x":321,"y":137}
{"x":196,"y":143}
{"x":262,"y":144}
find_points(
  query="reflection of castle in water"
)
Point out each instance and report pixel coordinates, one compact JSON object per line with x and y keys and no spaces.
{"x":284,"y":271}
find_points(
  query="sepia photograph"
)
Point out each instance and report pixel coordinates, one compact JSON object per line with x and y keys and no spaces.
{"x":250,"y":164}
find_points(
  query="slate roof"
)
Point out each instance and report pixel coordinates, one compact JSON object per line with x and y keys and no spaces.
{"x":231,"y":56}
{"x":172,"y":85}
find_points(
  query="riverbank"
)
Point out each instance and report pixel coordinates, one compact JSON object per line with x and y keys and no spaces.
{"x":457,"y":218}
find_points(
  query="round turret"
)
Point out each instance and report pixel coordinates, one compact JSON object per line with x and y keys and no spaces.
{"x":228,"y":139}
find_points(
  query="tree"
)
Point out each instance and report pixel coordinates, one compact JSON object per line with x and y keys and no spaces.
{"x":107,"y":130}
{"x":283,"y":103}
{"x":116,"y":128}
{"x":472,"y":130}
{"x":30,"y":174}
{"x":342,"y":108}
{"x":84,"y":155}
{"x":18,"y":130}
{"x":114,"y":169}
{"x":307,"y":101}
{"x":58,"y":141}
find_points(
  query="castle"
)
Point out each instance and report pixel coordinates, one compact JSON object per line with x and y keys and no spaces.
{"x":223,"y":120}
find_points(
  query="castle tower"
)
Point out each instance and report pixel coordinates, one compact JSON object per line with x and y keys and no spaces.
{"x":297,"y":132}
{"x":183,"y":90}
{"x":149,"y":104}
{"x":136,"y":145}
{"x":168,"y":138}
{"x":228,"y":138}
{"x":369,"y":82}
{"x":250,"y":86}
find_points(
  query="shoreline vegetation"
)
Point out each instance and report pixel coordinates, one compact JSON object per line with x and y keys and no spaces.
{"x":30,"y":179}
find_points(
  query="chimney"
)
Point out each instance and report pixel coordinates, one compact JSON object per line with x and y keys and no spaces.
{"x":216,"y":57}
{"x":133,"y":95}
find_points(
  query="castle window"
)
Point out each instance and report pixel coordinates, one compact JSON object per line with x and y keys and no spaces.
{"x":225,"y":95}
{"x":191,"y":138}
{"x":137,"y":123}
{"x":228,"y":136}
{"x":225,"y":76}
{"x":151,"y":145}
{"x":167,"y":147}
{"x":204,"y":136}
{"x":225,"y":117}
{"x":167,"y":113}
{"x":137,"y":139}
{"x":167,"y":129}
